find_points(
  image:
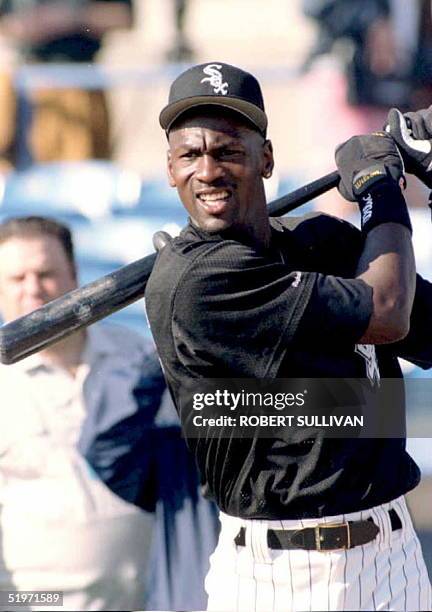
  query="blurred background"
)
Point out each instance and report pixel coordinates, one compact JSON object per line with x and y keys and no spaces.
{"x":80,"y":99}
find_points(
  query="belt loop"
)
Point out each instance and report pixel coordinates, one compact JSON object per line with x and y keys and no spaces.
{"x":258,"y":541}
{"x":249,"y":535}
{"x":387,"y":528}
{"x":400,"y":507}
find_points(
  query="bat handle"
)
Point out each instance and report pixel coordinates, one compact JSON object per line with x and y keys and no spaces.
{"x":296,"y":198}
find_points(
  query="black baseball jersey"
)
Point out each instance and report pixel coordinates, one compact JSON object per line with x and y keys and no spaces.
{"x":219,"y":307}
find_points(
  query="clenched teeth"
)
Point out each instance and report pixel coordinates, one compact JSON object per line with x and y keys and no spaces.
{"x":214,"y":197}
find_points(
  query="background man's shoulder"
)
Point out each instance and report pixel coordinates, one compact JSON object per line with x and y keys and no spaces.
{"x":121,"y":341}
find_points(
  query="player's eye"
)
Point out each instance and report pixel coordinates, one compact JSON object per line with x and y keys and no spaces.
{"x":189,"y":154}
{"x":230,"y":153}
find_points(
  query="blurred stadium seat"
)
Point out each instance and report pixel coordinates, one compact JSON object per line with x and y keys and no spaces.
{"x":90,"y":188}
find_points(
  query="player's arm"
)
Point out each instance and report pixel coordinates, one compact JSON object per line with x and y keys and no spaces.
{"x":387,"y":266}
{"x":371,"y":171}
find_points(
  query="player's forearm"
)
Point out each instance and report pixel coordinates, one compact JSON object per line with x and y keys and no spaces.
{"x":372,"y":174}
{"x":388,"y":266}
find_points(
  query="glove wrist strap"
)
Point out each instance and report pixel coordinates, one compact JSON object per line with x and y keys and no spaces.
{"x":382,"y":203}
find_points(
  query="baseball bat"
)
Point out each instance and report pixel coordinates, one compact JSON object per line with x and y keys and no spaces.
{"x":104,"y":296}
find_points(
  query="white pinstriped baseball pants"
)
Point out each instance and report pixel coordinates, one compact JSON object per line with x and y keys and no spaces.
{"x":388,"y":573}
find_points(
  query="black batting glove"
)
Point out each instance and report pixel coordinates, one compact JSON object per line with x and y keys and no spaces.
{"x":413,"y":134}
{"x":161,"y":239}
{"x":363,"y":161}
{"x":372,"y":172}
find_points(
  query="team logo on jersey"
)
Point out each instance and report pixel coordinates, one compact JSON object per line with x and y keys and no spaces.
{"x":215,"y":79}
{"x":367,"y":351}
{"x":297,"y":279}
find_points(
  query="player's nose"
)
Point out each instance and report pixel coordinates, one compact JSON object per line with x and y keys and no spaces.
{"x":209,"y":169}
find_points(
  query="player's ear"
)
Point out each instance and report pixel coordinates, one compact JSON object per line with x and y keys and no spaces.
{"x":268,"y":160}
{"x":169,"y":170}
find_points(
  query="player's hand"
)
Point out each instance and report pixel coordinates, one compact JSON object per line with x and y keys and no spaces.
{"x":413,"y":134}
{"x":161,"y":239}
{"x":372,"y":173}
{"x":364,"y":161}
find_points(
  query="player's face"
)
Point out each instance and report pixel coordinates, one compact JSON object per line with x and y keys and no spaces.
{"x":33,"y":271}
{"x":217,"y":165}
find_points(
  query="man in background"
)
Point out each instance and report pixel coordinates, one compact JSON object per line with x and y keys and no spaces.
{"x":68,"y":123}
{"x":181,"y":50}
{"x":60,"y":526}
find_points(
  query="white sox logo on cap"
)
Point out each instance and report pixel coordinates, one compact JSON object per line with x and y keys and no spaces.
{"x":215,"y":79}
{"x":217,"y":84}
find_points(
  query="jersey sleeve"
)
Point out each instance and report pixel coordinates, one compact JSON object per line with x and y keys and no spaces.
{"x":236,"y":311}
{"x":416,"y":347}
{"x":338,"y":310}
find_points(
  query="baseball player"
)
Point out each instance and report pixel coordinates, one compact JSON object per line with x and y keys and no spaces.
{"x":309,"y":522}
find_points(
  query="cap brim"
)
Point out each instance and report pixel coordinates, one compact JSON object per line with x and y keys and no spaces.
{"x":172,"y":111}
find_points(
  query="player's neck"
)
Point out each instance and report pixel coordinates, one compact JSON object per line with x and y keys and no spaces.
{"x":263,"y":236}
{"x":260,"y":231}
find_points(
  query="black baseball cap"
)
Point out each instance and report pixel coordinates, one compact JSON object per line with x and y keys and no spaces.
{"x":216,"y":84}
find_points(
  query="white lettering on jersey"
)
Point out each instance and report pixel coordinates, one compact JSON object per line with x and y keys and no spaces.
{"x":215,"y":79}
{"x":367,"y":351}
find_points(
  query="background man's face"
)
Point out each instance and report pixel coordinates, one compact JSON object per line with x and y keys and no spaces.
{"x":217,"y":165}
{"x":33,"y":271}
